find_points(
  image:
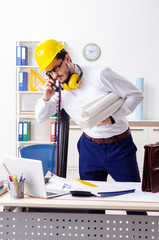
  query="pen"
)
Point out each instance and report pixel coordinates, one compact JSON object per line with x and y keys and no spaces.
{"x":10,"y":176}
{"x":15,"y":179}
{"x":21,"y":178}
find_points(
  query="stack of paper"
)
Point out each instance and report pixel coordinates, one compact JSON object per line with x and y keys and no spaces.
{"x":95,"y":112}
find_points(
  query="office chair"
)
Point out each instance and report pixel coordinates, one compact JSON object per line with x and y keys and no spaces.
{"x":43,"y":152}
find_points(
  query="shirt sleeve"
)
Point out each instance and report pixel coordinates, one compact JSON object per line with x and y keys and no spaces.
{"x":132,"y":96}
{"x":45,"y":109}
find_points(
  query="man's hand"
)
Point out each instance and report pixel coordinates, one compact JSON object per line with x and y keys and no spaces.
{"x":106,"y":121}
{"x":48,"y":90}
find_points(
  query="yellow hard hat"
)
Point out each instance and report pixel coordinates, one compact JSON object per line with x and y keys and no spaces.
{"x":46,"y":51}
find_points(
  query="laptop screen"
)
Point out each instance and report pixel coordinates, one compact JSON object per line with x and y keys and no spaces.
{"x":32,"y":171}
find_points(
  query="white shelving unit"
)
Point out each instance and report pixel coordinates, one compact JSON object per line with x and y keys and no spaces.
{"x":26,"y":100}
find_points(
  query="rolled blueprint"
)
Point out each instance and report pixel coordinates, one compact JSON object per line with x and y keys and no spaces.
{"x":91,"y":103}
{"x":99,"y":105}
{"x":100,"y":116}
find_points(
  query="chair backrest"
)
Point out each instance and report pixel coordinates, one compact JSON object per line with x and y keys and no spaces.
{"x":43,"y":152}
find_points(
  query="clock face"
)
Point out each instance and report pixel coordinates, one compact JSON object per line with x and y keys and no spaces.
{"x":91,"y":52}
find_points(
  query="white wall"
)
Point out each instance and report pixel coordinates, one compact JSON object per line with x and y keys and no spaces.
{"x":126,"y":30}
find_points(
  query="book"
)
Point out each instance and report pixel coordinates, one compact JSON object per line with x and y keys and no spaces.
{"x":3,"y":190}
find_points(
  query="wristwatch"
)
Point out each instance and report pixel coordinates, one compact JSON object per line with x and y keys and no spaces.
{"x":112,"y":120}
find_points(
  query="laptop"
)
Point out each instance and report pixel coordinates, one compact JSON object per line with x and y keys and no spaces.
{"x":32,"y":171}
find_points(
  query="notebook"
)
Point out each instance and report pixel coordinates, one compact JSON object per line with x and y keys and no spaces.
{"x":32,"y":171}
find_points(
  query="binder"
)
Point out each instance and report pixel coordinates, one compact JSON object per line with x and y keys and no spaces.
{"x":26,"y":131}
{"x":23,"y":81}
{"x":20,"y":131}
{"x":24,"y":55}
{"x":18,"y":56}
{"x":52,"y":132}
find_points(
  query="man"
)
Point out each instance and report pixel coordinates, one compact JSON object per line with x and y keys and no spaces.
{"x":107,"y":148}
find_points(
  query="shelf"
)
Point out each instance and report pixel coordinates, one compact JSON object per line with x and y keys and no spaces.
{"x":26,"y":66}
{"x":74,"y":127}
{"x":26,"y":100}
{"x":25,"y":41}
{"x":26,"y":116}
{"x":28,"y":41}
{"x":30,"y":116}
{"x":35,"y":142}
{"x":29,"y":92}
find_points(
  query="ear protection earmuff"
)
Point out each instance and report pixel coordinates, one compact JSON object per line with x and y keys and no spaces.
{"x":73,"y":81}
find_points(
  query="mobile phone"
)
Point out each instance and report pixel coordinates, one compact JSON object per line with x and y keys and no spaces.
{"x":54,"y":86}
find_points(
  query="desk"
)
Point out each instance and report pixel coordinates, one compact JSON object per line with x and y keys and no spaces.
{"x":66,"y":225}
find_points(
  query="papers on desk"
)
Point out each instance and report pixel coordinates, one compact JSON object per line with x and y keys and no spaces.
{"x":81,"y":190}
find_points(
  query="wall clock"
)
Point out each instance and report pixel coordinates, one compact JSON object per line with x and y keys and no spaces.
{"x":91,"y":52}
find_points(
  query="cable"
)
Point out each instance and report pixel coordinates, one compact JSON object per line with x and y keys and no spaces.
{"x":55,"y":163}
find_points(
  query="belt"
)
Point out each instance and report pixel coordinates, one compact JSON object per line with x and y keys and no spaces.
{"x":109,"y":140}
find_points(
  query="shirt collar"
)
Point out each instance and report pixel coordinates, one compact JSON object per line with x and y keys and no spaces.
{"x":77,"y":70}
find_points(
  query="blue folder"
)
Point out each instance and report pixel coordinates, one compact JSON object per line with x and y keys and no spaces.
{"x":109,"y":194}
{"x":24,"y":56}
{"x":20,"y":131}
{"x":82,"y":193}
{"x":23,"y":81}
{"x":18,"y":55}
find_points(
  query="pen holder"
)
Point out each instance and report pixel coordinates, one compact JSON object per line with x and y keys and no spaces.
{"x":17,"y":190}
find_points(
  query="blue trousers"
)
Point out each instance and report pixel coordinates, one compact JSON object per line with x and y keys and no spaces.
{"x":117,"y":159}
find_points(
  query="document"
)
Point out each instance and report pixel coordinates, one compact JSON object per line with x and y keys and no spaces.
{"x":77,"y":188}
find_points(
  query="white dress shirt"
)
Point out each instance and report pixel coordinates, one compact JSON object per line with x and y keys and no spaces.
{"x":95,"y":83}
